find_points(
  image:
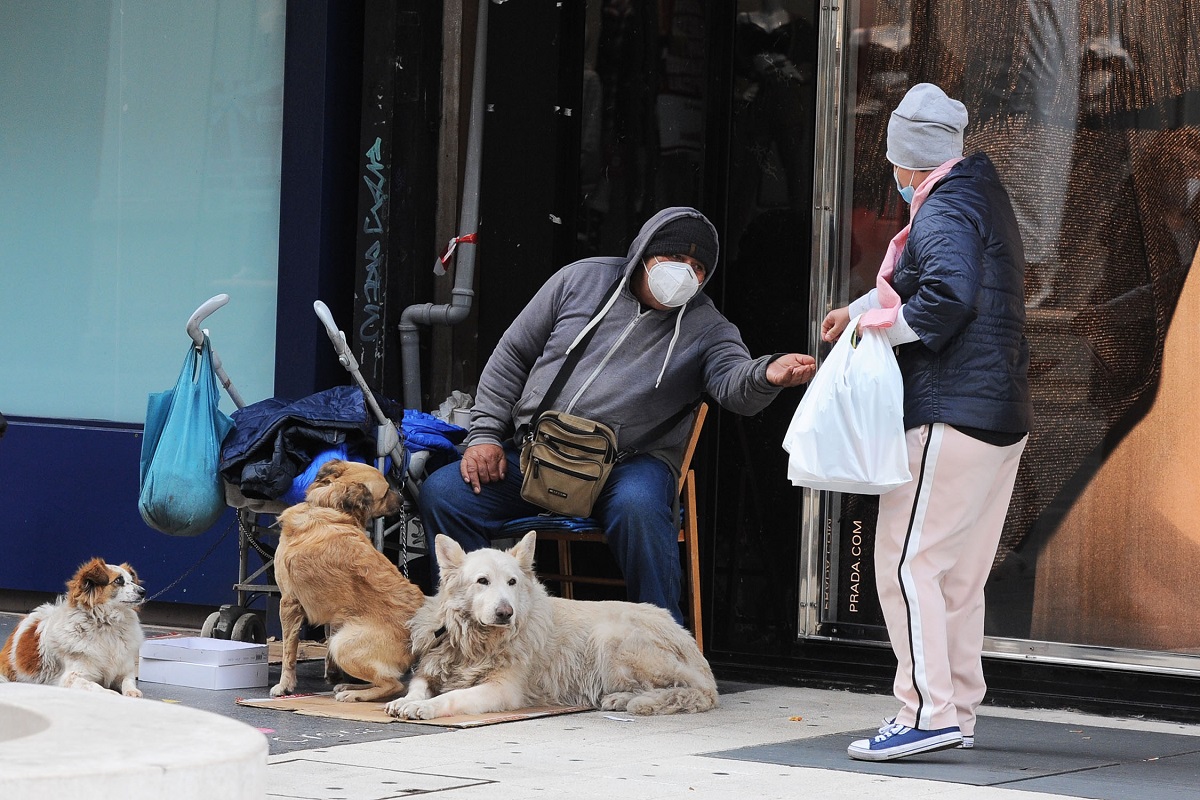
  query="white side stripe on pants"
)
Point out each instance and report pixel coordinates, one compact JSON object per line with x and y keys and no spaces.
{"x":908,"y":588}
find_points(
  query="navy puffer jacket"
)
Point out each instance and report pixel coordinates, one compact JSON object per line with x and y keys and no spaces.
{"x":961,"y":277}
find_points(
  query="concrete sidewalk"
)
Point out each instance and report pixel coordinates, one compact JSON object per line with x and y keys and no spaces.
{"x":764,"y":742}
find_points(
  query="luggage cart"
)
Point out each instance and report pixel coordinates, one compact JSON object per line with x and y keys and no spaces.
{"x":258,"y":531}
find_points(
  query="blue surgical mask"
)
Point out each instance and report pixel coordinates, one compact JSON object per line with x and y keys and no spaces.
{"x":906,"y":192}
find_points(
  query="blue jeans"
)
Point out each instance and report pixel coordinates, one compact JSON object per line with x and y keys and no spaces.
{"x":635,"y":509}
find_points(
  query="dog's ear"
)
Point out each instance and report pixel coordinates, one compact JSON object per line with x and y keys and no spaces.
{"x":356,"y":500}
{"x":93,"y":573}
{"x":90,"y":577}
{"x":449,"y":553}
{"x":523,"y":551}
{"x":329,"y":472}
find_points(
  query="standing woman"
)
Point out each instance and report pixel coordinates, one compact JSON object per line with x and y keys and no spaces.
{"x":950,"y":295}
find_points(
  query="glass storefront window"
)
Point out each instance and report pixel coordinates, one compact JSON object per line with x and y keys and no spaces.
{"x":139,"y":176}
{"x":1091,"y":112}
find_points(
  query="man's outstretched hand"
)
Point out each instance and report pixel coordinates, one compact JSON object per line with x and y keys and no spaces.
{"x":792,"y":369}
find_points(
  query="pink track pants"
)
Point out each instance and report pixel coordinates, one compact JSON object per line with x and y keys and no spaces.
{"x":935,"y":543}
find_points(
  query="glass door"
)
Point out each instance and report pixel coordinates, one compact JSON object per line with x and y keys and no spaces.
{"x":1091,"y":113}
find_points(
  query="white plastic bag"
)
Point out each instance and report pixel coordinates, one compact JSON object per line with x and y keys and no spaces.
{"x":847,"y":434}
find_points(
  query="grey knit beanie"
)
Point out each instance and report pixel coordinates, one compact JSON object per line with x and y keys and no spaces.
{"x":926,"y":129}
{"x":689,"y":236}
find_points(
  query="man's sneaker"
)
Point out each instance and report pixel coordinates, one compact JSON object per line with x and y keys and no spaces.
{"x":898,"y":741}
{"x":967,"y":742}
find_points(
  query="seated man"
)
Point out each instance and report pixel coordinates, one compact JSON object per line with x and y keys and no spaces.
{"x":658,"y":344}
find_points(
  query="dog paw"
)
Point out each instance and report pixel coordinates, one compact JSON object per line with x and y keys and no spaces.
{"x":643,"y":706}
{"x":616,"y":701}
{"x":406,"y":709}
{"x":278,"y":690}
{"x":132,"y":692}
{"x":342,"y":688}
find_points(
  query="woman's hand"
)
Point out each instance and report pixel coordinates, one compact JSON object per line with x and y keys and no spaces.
{"x":483,"y":463}
{"x":834,"y":323}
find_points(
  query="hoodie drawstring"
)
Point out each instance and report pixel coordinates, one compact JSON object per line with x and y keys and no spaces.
{"x":671,"y":346}
{"x":611,"y":301}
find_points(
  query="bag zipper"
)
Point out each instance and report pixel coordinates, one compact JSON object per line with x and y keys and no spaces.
{"x":554,"y":441}
{"x":538,"y":463}
{"x":558,"y":421}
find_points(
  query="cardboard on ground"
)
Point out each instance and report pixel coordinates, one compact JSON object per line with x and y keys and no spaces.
{"x":323,"y":705}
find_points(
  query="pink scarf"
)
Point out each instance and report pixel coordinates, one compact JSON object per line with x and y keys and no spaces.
{"x":890,"y":301}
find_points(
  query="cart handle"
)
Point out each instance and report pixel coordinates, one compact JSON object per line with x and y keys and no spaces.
{"x":193,"y":328}
{"x":340,"y":345}
{"x":206,"y":308}
{"x":350,"y":363}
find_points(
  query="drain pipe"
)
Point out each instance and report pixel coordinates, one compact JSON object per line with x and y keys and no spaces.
{"x":461,"y":295}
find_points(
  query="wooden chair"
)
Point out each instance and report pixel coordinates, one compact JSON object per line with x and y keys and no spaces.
{"x":689,"y":534}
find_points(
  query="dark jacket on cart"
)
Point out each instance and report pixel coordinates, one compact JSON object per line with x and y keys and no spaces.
{"x":275,"y":439}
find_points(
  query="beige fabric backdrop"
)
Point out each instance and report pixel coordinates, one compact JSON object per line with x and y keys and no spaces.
{"x":1129,"y":550}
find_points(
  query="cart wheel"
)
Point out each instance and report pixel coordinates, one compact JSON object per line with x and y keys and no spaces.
{"x":210,"y":624}
{"x":249,"y":628}
{"x":220,"y":624}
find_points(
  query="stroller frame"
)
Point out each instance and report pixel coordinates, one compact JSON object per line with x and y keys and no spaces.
{"x":237,"y":621}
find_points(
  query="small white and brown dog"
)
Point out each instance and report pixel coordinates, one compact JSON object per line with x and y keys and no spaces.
{"x":88,"y":639}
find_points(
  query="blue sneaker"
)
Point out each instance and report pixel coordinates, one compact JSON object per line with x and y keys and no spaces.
{"x":967,"y":743}
{"x":898,"y":741}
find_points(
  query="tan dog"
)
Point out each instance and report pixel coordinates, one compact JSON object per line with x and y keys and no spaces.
{"x":329,"y":573}
{"x":88,"y":639}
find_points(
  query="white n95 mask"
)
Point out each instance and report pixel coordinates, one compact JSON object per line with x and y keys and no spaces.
{"x":672,"y":283}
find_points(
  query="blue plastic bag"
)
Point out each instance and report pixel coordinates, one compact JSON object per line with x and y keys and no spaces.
{"x":181,"y":493}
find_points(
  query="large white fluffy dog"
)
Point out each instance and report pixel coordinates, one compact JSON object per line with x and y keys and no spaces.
{"x":493,"y":640}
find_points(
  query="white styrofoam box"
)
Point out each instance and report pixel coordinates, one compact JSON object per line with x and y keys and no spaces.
{"x":204,"y":650}
{"x":203,"y":663}
{"x":203,"y":676}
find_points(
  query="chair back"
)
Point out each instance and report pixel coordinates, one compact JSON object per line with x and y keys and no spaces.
{"x":693,"y":439}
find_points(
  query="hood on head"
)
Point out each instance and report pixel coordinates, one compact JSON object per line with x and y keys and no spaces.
{"x":706,"y":249}
{"x":674,"y":236}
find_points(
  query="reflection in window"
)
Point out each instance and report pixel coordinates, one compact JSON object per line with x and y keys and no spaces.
{"x":1091,"y":112}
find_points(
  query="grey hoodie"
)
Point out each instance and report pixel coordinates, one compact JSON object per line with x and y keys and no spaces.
{"x":640,"y":367}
